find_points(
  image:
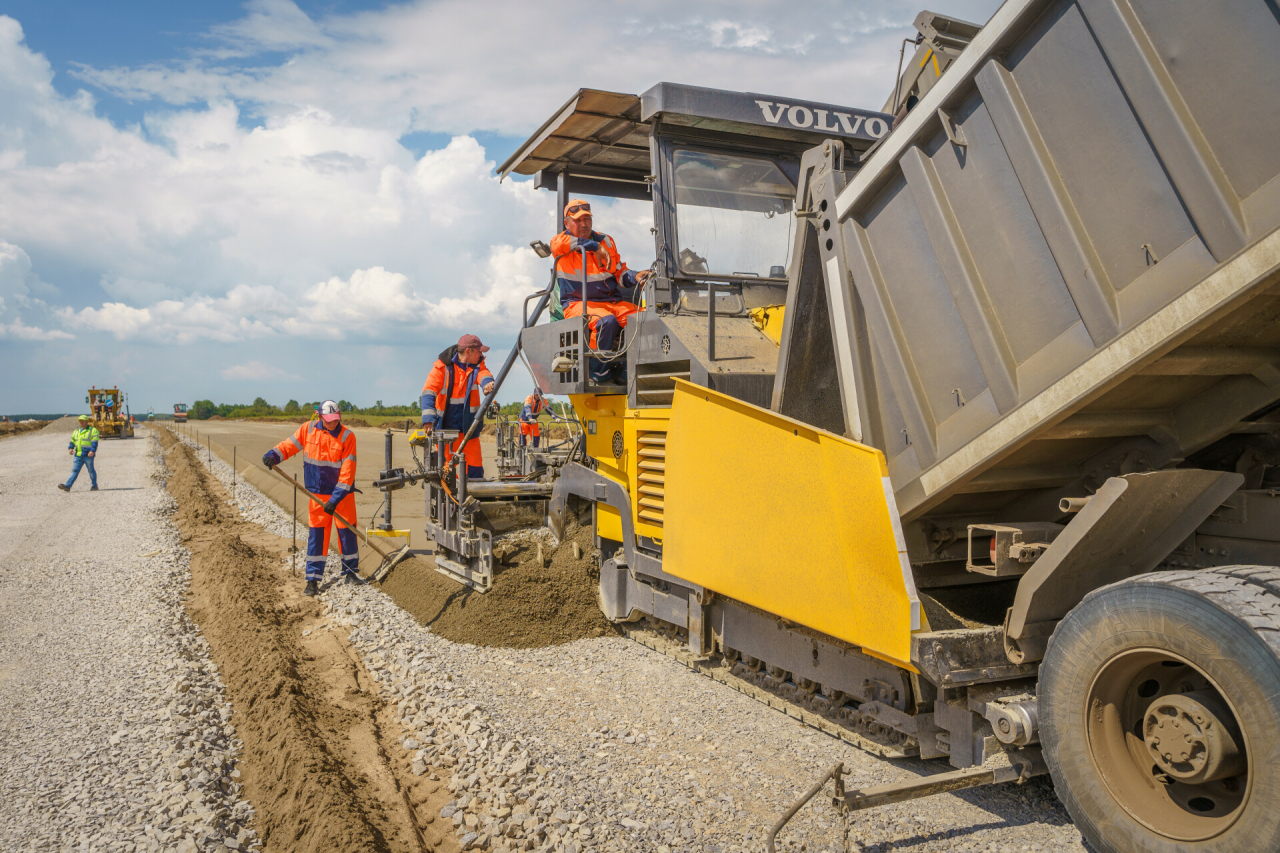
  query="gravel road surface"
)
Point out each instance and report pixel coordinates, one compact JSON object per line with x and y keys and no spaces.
{"x":113,"y":725}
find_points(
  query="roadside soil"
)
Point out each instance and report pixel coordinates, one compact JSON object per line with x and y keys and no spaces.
{"x":8,"y":430}
{"x":317,"y":737}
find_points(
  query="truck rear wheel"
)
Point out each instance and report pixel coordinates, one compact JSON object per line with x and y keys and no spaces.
{"x":1159,"y":704}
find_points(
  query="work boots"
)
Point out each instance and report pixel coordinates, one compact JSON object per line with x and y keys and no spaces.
{"x":64,"y":487}
{"x":313,"y":588}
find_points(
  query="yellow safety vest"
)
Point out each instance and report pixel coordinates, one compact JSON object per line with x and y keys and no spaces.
{"x":83,"y":440}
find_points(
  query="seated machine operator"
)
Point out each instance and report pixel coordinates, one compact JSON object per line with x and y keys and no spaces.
{"x":611,"y":296}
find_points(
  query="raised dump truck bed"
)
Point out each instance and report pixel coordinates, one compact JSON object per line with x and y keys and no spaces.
{"x":1061,"y":264}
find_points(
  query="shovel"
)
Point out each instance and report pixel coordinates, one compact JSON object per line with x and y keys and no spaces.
{"x":389,"y":561}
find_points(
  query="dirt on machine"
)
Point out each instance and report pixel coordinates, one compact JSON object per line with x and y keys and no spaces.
{"x":109,"y":408}
{"x":951,"y":428}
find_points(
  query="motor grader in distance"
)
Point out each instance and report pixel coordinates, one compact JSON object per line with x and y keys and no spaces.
{"x":109,"y":408}
{"x":955,"y":427}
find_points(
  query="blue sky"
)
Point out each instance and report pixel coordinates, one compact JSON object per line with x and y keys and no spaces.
{"x":297,"y":200}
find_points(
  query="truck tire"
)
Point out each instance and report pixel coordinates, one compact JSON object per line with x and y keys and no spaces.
{"x":1159,"y":703}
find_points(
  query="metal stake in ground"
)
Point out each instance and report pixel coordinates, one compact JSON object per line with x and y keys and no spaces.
{"x":293,"y":552}
{"x":388,"y":560}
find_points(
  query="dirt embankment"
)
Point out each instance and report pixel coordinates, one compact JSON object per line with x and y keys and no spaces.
{"x":530,"y":605}
{"x":316,"y":736}
{"x":12,"y":428}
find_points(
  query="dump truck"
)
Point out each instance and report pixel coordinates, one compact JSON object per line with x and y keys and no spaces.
{"x":109,"y":408}
{"x":953,"y":428}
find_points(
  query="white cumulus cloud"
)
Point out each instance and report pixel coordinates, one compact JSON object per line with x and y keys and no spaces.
{"x":256,"y":371}
{"x":21,"y":331}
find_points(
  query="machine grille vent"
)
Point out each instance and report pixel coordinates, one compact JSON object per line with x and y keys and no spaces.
{"x":569,"y":349}
{"x":656,"y":382}
{"x":652,"y":476}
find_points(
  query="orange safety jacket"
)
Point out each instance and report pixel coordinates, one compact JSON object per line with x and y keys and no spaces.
{"x":451,"y":394}
{"x":604,"y":284}
{"x":328,"y":460}
{"x":529,"y":416}
{"x":532,"y":408}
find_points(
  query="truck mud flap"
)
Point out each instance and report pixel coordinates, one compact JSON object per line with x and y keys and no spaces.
{"x":1127,"y":528}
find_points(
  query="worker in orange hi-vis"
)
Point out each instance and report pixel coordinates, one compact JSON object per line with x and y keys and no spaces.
{"x":611,"y":286}
{"x":328,"y":472}
{"x":529,"y":426}
{"x":451,"y":395}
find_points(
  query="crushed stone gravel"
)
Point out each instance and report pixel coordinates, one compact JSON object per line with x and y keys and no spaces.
{"x":114,"y":732}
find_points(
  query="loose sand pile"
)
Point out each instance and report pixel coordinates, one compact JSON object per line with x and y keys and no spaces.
{"x":69,"y":423}
{"x":529,"y":605}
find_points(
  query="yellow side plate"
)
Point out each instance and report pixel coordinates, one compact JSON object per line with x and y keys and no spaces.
{"x":793,"y":520}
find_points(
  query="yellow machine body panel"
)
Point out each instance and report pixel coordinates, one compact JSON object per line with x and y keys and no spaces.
{"x":796,"y":521}
{"x":769,"y":320}
{"x":629,"y":446}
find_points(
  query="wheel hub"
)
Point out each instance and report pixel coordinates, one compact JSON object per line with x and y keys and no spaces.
{"x":1188,"y":739}
{"x":1167,"y":745}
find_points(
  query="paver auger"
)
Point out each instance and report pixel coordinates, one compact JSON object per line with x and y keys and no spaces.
{"x":954,"y":429}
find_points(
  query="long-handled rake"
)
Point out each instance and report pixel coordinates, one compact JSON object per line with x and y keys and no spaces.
{"x":389,"y":560}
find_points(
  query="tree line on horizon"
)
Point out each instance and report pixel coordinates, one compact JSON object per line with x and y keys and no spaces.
{"x":202,"y":410}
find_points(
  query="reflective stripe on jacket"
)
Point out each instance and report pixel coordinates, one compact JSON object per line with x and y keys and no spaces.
{"x":604,"y":284}
{"x":451,"y":394}
{"x":84,"y":441}
{"x":328,"y":461}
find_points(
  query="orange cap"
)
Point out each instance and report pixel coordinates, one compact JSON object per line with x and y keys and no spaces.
{"x":577,"y":208}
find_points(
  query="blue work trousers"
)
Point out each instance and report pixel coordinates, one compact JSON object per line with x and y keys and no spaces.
{"x":76,"y":463}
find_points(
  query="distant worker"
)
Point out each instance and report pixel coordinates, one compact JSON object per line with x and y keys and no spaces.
{"x":451,"y":395}
{"x":328,"y":472}
{"x":529,"y":426}
{"x":610,"y":285}
{"x":83,"y":447}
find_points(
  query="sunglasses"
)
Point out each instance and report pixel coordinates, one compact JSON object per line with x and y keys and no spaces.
{"x":578,"y":207}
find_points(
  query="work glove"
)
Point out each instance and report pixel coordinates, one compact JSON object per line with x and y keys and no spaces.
{"x":331,"y":504}
{"x":589,"y":245}
{"x":271,"y":458}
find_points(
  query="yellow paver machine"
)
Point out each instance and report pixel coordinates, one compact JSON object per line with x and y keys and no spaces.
{"x":953,"y":429}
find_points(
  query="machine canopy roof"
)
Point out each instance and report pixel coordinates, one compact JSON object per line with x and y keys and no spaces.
{"x":605,"y":135}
